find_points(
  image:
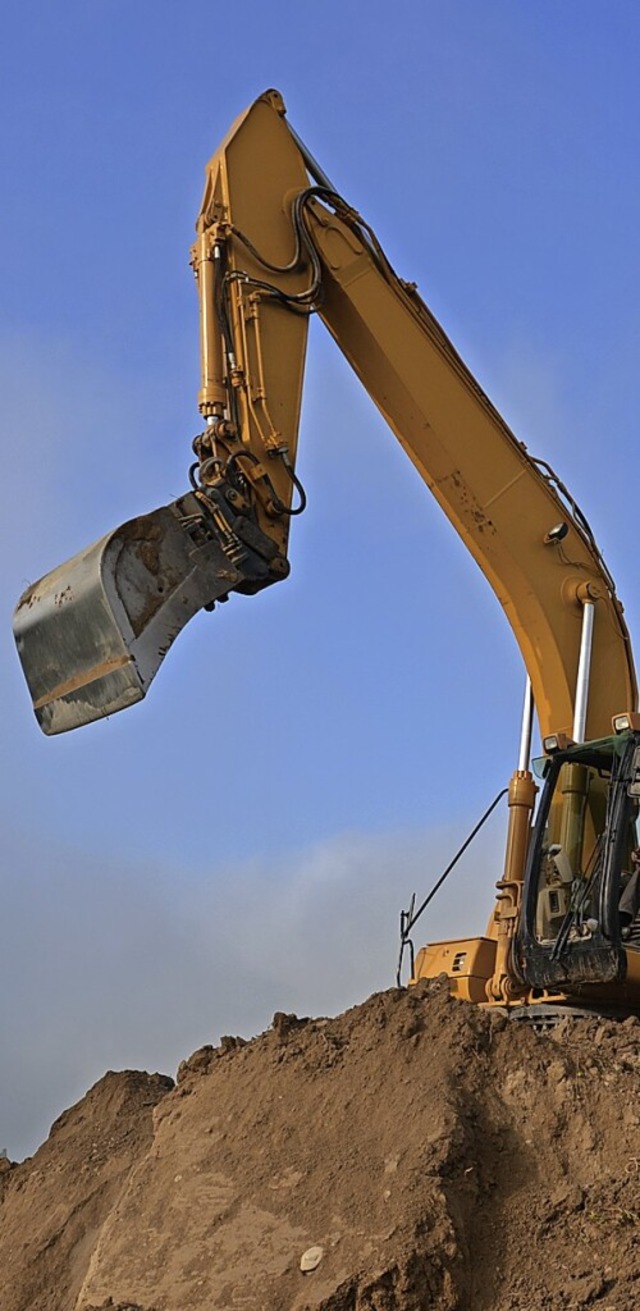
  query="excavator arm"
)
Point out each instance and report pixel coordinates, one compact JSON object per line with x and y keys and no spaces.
{"x":275,"y":243}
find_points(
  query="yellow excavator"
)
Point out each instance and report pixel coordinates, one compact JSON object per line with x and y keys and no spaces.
{"x":275,"y":243}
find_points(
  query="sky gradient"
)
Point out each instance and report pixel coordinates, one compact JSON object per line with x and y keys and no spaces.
{"x":243,"y":840}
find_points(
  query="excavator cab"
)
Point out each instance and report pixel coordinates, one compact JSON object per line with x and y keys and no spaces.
{"x":581,"y":894}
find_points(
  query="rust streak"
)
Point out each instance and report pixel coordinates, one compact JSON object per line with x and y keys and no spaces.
{"x":81,"y":680}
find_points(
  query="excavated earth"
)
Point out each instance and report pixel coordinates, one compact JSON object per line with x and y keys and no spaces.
{"x":434,"y":1156}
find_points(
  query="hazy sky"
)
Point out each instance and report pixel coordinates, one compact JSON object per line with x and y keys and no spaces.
{"x":243,"y":840}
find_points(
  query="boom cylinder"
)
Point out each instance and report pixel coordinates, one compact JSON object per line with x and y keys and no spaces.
{"x":584,"y":670}
{"x":522,"y":793}
{"x":212,"y":395}
{"x":526,"y":731}
{"x":503,"y":986}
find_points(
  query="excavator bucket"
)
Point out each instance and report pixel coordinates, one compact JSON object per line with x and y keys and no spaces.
{"x":92,"y":634}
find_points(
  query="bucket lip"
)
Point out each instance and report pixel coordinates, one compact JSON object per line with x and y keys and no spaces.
{"x":121,"y":688}
{"x":99,"y":672}
{"x":93,"y":633}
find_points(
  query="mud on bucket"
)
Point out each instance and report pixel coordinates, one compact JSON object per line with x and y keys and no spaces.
{"x":92,"y":634}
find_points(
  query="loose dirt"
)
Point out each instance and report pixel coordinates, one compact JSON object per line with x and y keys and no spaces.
{"x":435,"y":1157}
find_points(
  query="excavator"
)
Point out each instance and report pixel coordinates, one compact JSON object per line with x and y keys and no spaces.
{"x":276,"y":243}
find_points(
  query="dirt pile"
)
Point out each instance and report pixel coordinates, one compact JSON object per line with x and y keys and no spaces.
{"x":434,"y":1157}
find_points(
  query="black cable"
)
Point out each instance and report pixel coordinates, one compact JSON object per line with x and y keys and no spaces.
{"x":407,"y":921}
{"x":456,"y":858}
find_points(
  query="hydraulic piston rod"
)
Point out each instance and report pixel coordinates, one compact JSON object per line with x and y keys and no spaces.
{"x":526,"y":731}
{"x":584,"y":670}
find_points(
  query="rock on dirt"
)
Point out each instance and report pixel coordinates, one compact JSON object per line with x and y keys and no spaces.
{"x":428,"y":1155}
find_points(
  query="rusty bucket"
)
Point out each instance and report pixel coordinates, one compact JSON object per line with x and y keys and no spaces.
{"x":92,"y":634}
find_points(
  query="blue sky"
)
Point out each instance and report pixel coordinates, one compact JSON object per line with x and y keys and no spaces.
{"x":243,"y":840}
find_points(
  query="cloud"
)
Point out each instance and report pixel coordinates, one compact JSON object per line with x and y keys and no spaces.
{"x":131,"y":966}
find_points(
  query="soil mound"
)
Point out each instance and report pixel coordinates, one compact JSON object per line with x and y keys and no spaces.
{"x":412,"y":1154}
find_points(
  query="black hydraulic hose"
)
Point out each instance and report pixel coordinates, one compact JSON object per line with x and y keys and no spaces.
{"x":307,"y":300}
{"x":302,"y":505}
{"x":234,"y":463}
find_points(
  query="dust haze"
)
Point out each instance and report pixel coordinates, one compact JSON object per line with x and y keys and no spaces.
{"x":109,"y":961}
{"x":106,"y":965}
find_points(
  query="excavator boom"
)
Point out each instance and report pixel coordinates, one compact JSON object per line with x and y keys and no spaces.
{"x":274,"y":244}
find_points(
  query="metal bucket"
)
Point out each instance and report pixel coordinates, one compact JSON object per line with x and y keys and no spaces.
{"x":92,"y":634}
